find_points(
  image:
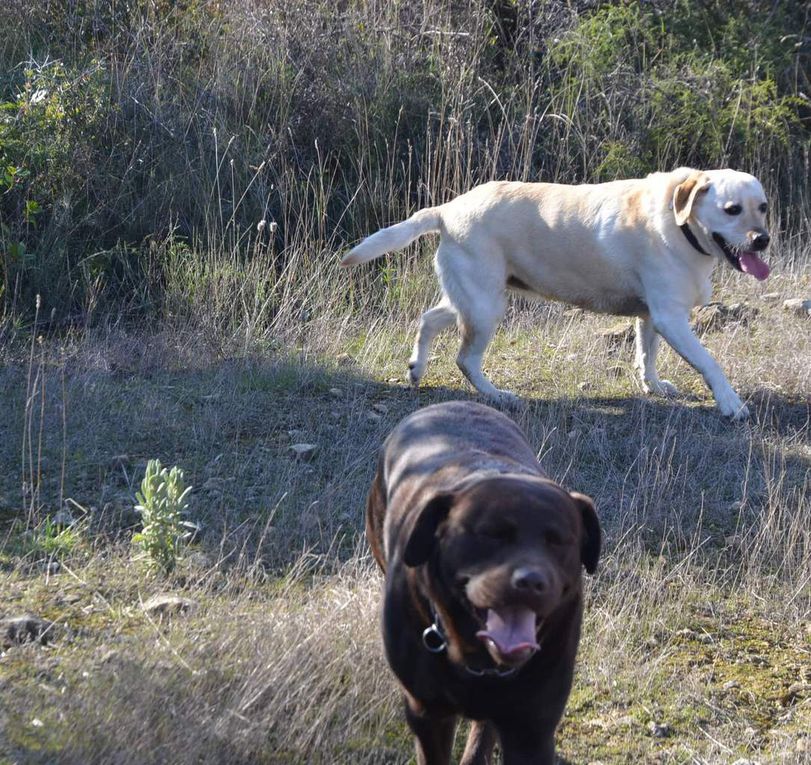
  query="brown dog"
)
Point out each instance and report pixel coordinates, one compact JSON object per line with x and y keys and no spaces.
{"x":483,"y":603}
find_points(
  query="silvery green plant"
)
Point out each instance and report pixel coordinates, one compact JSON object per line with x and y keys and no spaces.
{"x":161,"y":503}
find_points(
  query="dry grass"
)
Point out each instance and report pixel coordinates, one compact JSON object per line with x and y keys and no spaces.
{"x":698,"y":619}
{"x":700,"y":615}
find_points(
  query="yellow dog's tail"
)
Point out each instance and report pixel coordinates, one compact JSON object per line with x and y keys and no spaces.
{"x":394,"y":237}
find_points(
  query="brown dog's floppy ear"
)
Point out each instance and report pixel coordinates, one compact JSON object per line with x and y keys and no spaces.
{"x":421,"y":541}
{"x":685,"y":193}
{"x":592,"y":536}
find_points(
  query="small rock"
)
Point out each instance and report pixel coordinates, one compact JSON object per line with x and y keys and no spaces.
{"x":659,"y":730}
{"x":382,"y":408}
{"x":770,"y":297}
{"x":795,"y":690}
{"x":168,"y":605}
{"x":37,"y":723}
{"x":744,"y":761}
{"x":615,"y":371}
{"x":63,"y":518}
{"x":730,"y":684}
{"x":27,"y":628}
{"x":212,"y":485}
{"x":393,"y":380}
{"x":303,"y":451}
{"x":120,"y":462}
{"x":336,"y":392}
{"x":715,"y":316}
{"x":373,"y":416}
{"x":51,"y":567}
{"x":586,"y":386}
{"x":618,"y":335}
{"x":798,"y":306}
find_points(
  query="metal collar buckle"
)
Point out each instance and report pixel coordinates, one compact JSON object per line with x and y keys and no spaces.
{"x":433,"y":639}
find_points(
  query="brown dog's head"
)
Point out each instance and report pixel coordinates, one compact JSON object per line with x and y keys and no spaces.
{"x":509,"y":549}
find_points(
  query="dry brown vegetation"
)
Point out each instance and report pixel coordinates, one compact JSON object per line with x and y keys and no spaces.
{"x":698,"y":619}
{"x":171,"y":326}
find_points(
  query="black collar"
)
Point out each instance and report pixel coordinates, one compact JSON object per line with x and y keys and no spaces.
{"x":435,"y":641}
{"x":691,"y":237}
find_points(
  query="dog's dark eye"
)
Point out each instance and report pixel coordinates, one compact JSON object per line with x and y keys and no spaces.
{"x":552,"y":537}
{"x":498,"y":533}
{"x":763,"y":207}
{"x":733,"y":209}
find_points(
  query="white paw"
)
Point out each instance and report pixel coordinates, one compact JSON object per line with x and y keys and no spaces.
{"x":415,"y":372}
{"x":660,"y":388}
{"x":503,"y":397}
{"x":730,"y":405}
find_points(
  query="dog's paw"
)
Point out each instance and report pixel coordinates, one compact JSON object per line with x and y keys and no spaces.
{"x":503,"y":398}
{"x":415,"y":373}
{"x":730,"y":405}
{"x":658,"y":387}
{"x":667,"y":389}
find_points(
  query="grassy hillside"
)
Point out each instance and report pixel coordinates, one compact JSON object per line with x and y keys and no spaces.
{"x":176,"y":180}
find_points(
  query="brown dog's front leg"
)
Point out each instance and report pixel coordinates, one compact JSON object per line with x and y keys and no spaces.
{"x":480,"y":743}
{"x":434,"y":734}
{"x":527,"y":745}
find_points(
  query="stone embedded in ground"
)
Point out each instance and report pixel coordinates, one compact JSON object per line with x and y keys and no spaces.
{"x":213,"y":485}
{"x":619,"y":335}
{"x":659,"y":730}
{"x":799,"y":306}
{"x":15,"y":630}
{"x":796,"y":691}
{"x":614,"y":370}
{"x":168,"y":605}
{"x":336,"y":392}
{"x":382,"y":408}
{"x":714,"y":316}
{"x":303,"y":451}
{"x":770,"y":297}
{"x":120,"y":461}
{"x":373,"y":416}
{"x":63,"y":518}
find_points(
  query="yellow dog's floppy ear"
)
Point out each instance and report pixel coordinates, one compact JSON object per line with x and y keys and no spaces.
{"x":684,"y":195}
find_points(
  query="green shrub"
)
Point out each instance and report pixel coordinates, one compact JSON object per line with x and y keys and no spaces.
{"x":161,"y":503}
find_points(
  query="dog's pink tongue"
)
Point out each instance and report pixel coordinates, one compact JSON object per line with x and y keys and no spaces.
{"x":752,"y":264}
{"x":512,"y":630}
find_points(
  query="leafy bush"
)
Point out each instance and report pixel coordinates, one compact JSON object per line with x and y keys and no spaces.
{"x":161,"y":503}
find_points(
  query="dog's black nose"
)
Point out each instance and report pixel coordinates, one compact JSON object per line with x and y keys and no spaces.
{"x":529,"y":579}
{"x":760,"y":241}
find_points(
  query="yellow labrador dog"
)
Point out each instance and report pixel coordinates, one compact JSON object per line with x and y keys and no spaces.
{"x":643,"y":247}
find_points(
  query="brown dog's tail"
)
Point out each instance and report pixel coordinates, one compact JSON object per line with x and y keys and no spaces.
{"x":394,"y":237}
